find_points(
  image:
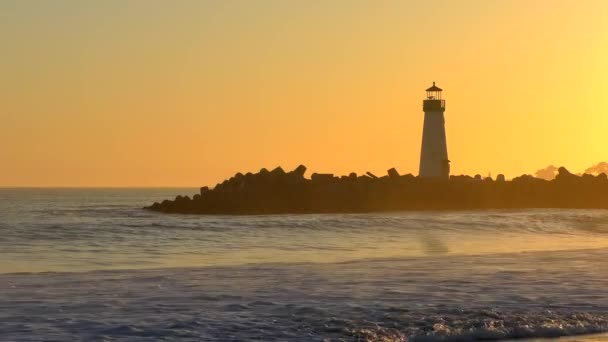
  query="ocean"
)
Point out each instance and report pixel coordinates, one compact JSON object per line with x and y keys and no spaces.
{"x":91,"y":265}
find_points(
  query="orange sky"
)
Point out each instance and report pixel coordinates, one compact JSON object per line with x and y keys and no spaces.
{"x":186,"y":93}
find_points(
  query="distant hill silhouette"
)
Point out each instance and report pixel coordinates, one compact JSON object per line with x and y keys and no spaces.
{"x":277,"y":191}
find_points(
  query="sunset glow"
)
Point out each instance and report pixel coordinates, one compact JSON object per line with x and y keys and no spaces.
{"x":187,"y":93}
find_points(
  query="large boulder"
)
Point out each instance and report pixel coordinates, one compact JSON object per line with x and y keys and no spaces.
{"x":156,"y":207}
{"x":462,"y":179}
{"x":181,"y":200}
{"x":322,"y":177}
{"x":523,"y":179}
{"x":392,"y":172}
{"x":165,"y":204}
{"x":278,"y":171}
{"x":371,"y":175}
{"x":299,"y":171}
{"x":564,"y":175}
{"x":588,"y":177}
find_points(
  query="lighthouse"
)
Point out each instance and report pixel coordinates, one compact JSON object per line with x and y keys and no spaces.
{"x":434,"y":162}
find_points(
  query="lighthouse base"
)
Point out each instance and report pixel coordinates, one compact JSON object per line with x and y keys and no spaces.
{"x":434,"y":162}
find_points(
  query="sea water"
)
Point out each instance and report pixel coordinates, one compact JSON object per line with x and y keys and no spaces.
{"x":91,"y":265}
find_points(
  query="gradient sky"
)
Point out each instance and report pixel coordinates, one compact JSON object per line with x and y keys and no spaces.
{"x":186,"y":93}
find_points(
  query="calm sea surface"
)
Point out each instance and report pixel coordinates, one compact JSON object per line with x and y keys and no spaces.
{"x":91,"y":265}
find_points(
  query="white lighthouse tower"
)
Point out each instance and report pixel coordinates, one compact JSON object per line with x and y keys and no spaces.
{"x":434,"y":162}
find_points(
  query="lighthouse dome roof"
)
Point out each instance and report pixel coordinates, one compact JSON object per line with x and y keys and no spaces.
{"x":434,"y":88}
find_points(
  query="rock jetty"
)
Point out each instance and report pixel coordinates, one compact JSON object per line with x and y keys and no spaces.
{"x":277,"y":192}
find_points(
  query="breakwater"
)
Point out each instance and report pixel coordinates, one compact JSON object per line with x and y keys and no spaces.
{"x":278,"y":192}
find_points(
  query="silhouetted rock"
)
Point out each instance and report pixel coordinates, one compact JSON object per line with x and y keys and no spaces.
{"x":164,"y":205}
{"x":563,"y":172}
{"x":322,"y":177}
{"x":299,"y":171}
{"x":462,"y":178}
{"x":371,"y":175}
{"x":277,"y":171}
{"x":392,"y":172}
{"x":409,"y":177}
{"x":525,"y":179}
{"x":500,"y":178}
{"x":563,"y":175}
